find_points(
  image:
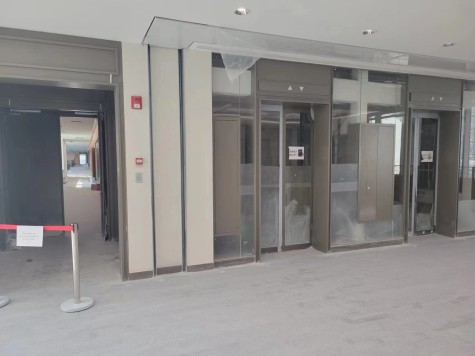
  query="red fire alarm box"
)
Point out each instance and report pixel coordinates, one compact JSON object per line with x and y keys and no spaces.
{"x":136,"y":102}
{"x":138,"y":161}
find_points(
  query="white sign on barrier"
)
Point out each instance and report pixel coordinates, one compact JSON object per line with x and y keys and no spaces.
{"x":29,"y":236}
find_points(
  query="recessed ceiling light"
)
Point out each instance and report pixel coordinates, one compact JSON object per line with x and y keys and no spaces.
{"x":369,"y":32}
{"x":448,"y":44}
{"x":241,"y":11}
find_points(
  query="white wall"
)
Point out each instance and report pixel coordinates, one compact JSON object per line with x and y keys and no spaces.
{"x":167,"y":157}
{"x":137,"y":144}
{"x":199,"y":156}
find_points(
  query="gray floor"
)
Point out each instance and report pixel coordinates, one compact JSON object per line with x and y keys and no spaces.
{"x":416,"y":299}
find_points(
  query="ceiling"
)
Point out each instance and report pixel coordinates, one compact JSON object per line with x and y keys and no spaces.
{"x":77,"y":133}
{"x":419,"y":27}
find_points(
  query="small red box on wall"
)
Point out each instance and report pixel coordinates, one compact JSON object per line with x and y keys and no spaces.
{"x":136,"y":102}
{"x":138,"y":161}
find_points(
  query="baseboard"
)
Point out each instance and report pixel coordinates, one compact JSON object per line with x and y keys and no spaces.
{"x":198,"y":268}
{"x":140,"y":275}
{"x":234,"y":262}
{"x":168,"y":270}
{"x":296,"y":247}
{"x":269,"y":250}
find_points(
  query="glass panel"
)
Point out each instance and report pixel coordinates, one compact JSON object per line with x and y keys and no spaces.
{"x":298,"y":182}
{"x":235,"y":101}
{"x":363,"y":97}
{"x":426,"y":175}
{"x":466,"y":205}
{"x":271,"y":117}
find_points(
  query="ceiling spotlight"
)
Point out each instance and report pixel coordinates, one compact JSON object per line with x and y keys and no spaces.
{"x":369,"y":32}
{"x":241,"y":11}
{"x":449,"y":44}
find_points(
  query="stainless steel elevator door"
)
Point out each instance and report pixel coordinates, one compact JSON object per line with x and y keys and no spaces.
{"x":286,"y":175}
{"x":298,"y":174}
{"x":424,"y":174}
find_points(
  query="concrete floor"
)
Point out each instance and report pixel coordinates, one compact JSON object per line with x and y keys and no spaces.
{"x":416,"y":299}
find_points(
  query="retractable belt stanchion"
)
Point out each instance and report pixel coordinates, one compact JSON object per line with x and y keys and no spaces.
{"x":77,"y":303}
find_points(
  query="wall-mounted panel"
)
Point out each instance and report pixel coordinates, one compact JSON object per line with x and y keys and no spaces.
{"x":447,"y":174}
{"x":226,"y":178}
{"x":24,"y":52}
{"x":41,"y":56}
{"x":321,"y":178}
{"x":433,"y":92}
{"x":294,"y":80}
{"x":375,"y":172}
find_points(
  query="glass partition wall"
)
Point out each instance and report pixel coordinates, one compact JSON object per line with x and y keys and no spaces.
{"x":367,"y":178}
{"x":234,"y":170}
{"x":466,"y":204}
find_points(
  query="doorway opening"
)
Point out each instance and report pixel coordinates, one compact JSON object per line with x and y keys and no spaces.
{"x":424,"y":173}
{"x":286,"y":186}
{"x":58,"y":167}
{"x":434,"y":172}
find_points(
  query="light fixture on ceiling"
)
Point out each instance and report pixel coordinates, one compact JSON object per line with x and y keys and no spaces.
{"x":369,"y":32}
{"x":241,"y":11}
{"x":448,"y":44}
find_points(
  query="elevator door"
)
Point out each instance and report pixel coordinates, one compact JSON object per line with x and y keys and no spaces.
{"x":286,"y":175}
{"x":424,"y":174}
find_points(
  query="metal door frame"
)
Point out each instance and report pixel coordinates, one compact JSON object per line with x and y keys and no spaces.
{"x":282,"y":155}
{"x":417,"y":116}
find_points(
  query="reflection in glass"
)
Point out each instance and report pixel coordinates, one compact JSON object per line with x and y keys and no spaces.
{"x":271,"y":116}
{"x":234,"y":102}
{"x":363,"y":97}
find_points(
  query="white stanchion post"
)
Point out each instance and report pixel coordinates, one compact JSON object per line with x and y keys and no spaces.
{"x":77,"y":303}
{"x":4,"y":301}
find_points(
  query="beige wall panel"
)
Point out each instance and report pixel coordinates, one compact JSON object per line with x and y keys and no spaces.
{"x":199,"y":156}
{"x":167,"y":161}
{"x":137,"y":144}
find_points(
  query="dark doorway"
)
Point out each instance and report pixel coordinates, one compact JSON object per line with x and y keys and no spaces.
{"x":33,"y":166}
{"x":31,"y":156}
